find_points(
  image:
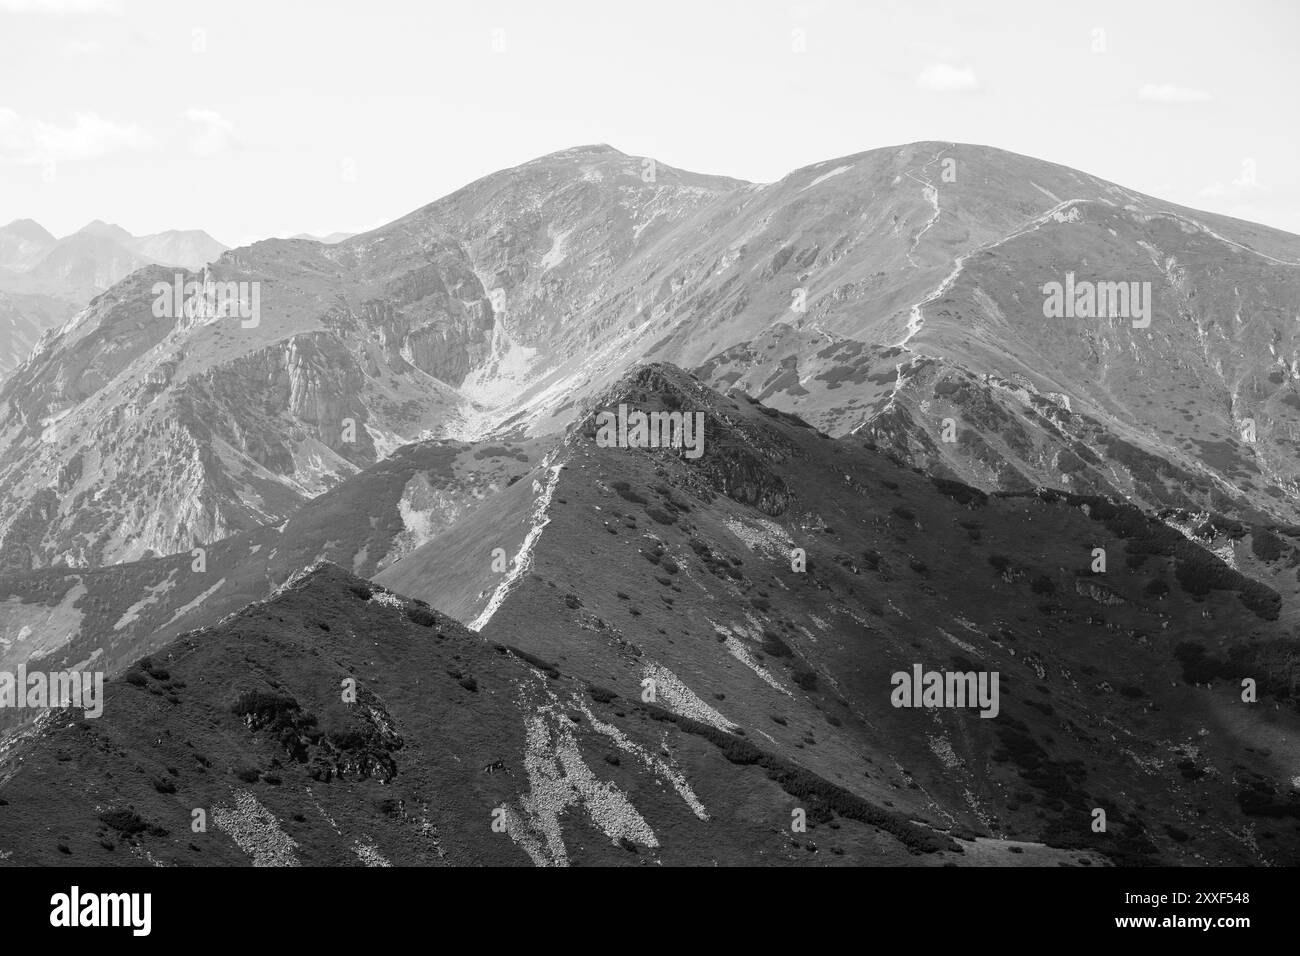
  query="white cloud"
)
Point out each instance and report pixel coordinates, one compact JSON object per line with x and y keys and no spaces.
{"x":88,"y":136}
{"x":1169,"y":93}
{"x":210,"y":133}
{"x":943,"y":78}
{"x":61,"y":8}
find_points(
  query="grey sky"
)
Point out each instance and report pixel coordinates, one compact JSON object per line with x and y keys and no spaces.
{"x":263,"y":118}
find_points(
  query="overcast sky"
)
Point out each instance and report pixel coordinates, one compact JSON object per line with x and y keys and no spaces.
{"x":251,"y":118}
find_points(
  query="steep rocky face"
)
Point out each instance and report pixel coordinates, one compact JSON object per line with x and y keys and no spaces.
{"x":190,"y":428}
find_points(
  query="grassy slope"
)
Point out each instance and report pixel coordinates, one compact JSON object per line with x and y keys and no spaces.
{"x":436,"y":742}
{"x":1095,"y":712}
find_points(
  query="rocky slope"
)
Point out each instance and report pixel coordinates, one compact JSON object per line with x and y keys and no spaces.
{"x":190,"y":428}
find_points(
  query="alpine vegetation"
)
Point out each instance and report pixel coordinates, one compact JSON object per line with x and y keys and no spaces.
{"x":637,"y":429}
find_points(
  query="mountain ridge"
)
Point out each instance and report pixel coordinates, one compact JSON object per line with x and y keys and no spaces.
{"x":533,"y":288}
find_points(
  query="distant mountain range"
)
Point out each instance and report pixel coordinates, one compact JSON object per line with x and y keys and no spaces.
{"x":329,"y":240}
{"x":44,"y":280}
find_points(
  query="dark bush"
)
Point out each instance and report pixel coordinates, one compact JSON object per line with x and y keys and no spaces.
{"x":805,"y":678}
{"x":126,"y":822}
{"x":775,"y":646}
{"x":1156,"y":588}
{"x":962,"y":494}
{"x":660,"y":516}
{"x":1198,"y":667}
{"x":1265,"y":545}
{"x":546,"y":667}
{"x":421,"y":616}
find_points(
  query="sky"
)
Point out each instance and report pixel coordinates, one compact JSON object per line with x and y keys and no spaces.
{"x":256,"y":118}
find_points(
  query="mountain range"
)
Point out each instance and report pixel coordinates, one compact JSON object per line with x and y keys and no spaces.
{"x":44,"y":280}
{"x":620,"y":569}
{"x":381,"y":462}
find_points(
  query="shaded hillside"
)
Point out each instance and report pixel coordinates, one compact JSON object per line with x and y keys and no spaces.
{"x":630,"y":565}
{"x":251,"y":723}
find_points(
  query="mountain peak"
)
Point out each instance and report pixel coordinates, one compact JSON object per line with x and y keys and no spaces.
{"x":108,"y":230}
{"x":591,"y":149}
{"x":28,"y":229}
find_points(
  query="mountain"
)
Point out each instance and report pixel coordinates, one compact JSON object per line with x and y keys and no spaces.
{"x":189,"y":248}
{"x":627,"y":571}
{"x":23,"y":318}
{"x":198,"y":427}
{"x":895,"y":295}
{"x":63,"y":617}
{"x":22,"y":243}
{"x":93,"y":258}
{"x":328,"y":240}
{"x":83,"y":265}
{"x":107,"y":230}
{"x":631,"y":564}
{"x":44,"y":281}
{"x":339,"y":723}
